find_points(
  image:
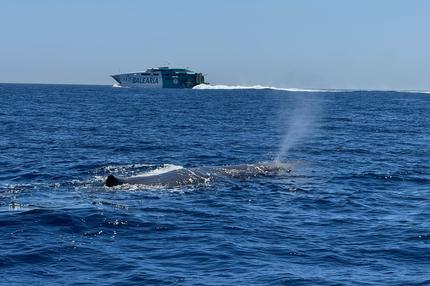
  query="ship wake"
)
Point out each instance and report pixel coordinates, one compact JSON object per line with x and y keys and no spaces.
{"x":258,"y":87}
{"x":263,"y":87}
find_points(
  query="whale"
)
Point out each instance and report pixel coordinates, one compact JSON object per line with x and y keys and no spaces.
{"x":201,"y":175}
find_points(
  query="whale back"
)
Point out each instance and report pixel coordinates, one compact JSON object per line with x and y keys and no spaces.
{"x":250,"y":170}
{"x":195,"y":176}
{"x":174,"y":178}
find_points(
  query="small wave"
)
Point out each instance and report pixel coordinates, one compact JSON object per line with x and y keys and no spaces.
{"x":261,"y":87}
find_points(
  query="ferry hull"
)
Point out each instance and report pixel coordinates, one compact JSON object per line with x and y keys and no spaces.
{"x":160,"y":78}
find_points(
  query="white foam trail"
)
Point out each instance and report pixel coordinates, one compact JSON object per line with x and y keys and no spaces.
{"x":207,"y":86}
{"x":116,"y":85}
{"x":221,"y":86}
{"x":415,"y":91}
{"x":161,"y":170}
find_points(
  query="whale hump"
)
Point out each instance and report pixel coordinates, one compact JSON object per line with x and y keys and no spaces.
{"x":183,"y":176}
{"x":112,"y":181}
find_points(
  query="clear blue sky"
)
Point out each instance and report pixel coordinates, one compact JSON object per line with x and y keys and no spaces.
{"x":369,"y":44}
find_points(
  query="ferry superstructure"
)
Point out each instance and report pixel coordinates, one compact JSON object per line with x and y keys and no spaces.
{"x":162,"y":77}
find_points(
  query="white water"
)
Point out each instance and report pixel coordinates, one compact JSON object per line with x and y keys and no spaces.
{"x":161,"y":170}
{"x":220,"y":86}
{"x":416,"y":91}
{"x":123,"y":168}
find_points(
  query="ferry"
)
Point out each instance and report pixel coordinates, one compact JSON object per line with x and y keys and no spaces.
{"x":162,"y":77}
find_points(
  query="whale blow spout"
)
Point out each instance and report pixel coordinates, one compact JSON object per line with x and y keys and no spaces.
{"x":112,"y":181}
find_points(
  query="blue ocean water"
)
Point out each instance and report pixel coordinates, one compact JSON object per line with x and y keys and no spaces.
{"x":354,"y":210}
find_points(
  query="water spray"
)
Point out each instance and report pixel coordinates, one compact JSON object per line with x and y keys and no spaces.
{"x":299,"y":123}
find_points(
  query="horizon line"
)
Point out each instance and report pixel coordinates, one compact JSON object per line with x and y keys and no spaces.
{"x":227,"y":87}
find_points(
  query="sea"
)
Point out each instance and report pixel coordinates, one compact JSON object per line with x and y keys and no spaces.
{"x":353,"y":210}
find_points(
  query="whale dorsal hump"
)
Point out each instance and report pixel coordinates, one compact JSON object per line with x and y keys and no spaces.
{"x":112,"y":181}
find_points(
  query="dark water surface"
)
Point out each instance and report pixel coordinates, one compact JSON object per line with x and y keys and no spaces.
{"x":355,"y":210}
